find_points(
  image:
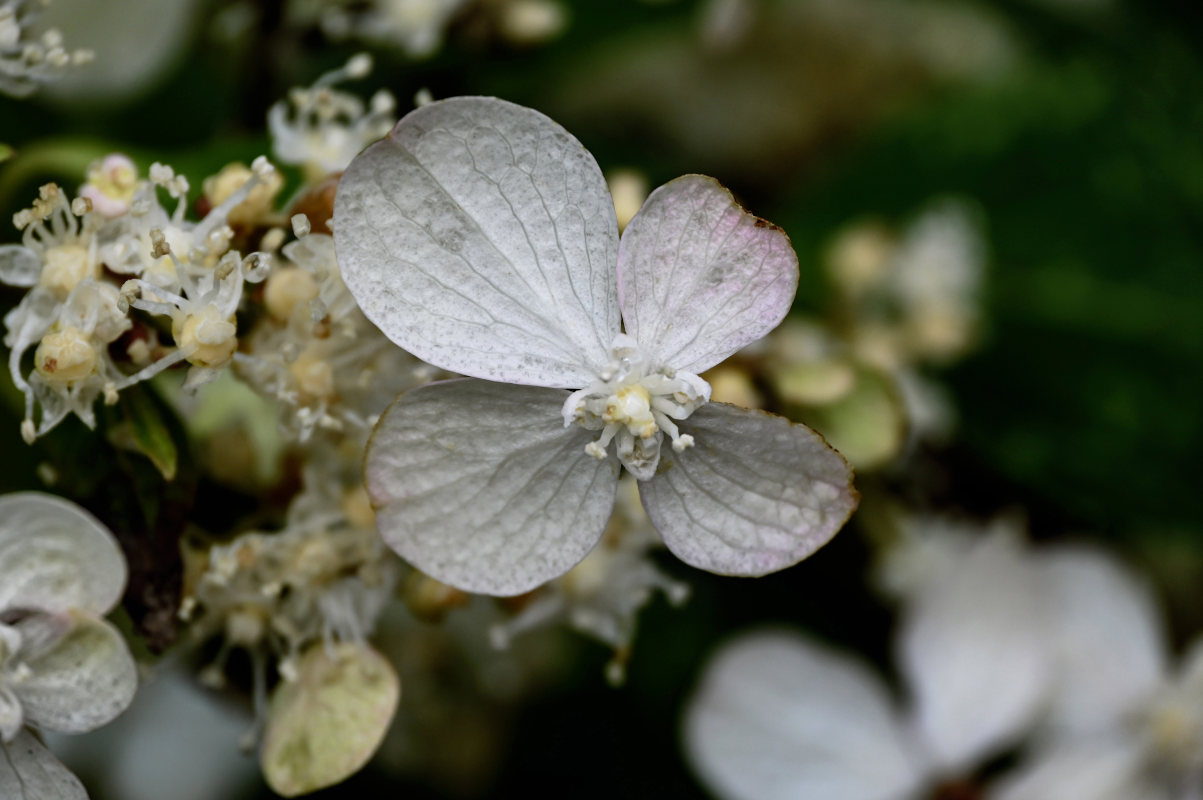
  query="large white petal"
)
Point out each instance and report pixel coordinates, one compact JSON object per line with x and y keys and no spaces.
{"x":84,"y":680}
{"x":973,"y":649}
{"x":28,"y":771}
{"x":55,"y":556}
{"x":699,"y":277}
{"x":1107,"y":636}
{"x":480,"y":485}
{"x":1110,"y":768}
{"x":479,"y":236}
{"x":755,"y":494}
{"x":778,"y":717}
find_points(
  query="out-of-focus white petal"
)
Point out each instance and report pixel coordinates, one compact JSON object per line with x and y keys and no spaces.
{"x":699,"y":277}
{"x":82,"y":681}
{"x":1095,"y":769}
{"x":1107,"y":636}
{"x":481,"y":486}
{"x":973,"y":650}
{"x":480,"y":237}
{"x":778,"y":717}
{"x":28,"y":771}
{"x":755,"y":494}
{"x":19,"y":266}
{"x":54,"y":556}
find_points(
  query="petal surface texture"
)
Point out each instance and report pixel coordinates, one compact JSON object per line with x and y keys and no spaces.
{"x":1103,"y":768}
{"x":755,"y":494}
{"x":1108,"y":639}
{"x":480,"y":236}
{"x":972,"y":648}
{"x":28,"y":771}
{"x":699,"y":277}
{"x":481,"y":486}
{"x":56,"y":556}
{"x":777,"y":717}
{"x":82,"y":681}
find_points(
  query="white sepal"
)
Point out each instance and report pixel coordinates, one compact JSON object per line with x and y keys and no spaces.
{"x":56,"y":556}
{"x":482,"y":487}
{"x":754,"y":494}
{"x":700,"y":278}
{"x":323,"y":726}
{"x":778,"y":717}
{"x":19,"y":266}
{"x":28,"y":771}
{"x":81,"y":681}
{"x":479,"y":236}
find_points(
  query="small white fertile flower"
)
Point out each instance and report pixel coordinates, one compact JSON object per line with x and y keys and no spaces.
{"x":322,"y":128}
{"x":480,"y":237}
{"x":779,"y":717}
{"x":62,"y":667}
{"x":27,"y":62}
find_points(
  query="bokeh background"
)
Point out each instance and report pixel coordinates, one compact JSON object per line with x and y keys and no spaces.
{"x":1073,"y":128}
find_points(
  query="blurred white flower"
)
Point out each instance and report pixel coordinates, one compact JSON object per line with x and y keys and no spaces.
{"x":480,"y":237}
{"x":1123,"y":725}
{"x":777,"y":715}
{"x":62,"y":666}
{"x":28,"y":60}
{"x":415,"y":26}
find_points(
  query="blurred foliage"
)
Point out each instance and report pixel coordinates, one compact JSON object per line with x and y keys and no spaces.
{"x":1082,"y":406}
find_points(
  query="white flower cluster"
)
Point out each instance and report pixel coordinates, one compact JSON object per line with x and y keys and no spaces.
{"x":87,"y":262}
{"x":25,"y":61}
{"x":321,"y":128}
{"x":324,"y":578}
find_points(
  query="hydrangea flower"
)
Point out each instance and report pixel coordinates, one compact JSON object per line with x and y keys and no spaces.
{"x":777,"y":715}
{"x":62,"y":667}
{"x":479,"y":236}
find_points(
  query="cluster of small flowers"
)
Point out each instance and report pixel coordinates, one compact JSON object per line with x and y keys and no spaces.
{"x":321,"y":580}
{"x":27,"y":62}
{"x":72,"y":257}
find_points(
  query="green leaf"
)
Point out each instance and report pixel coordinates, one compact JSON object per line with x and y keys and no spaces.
{"x":143,"y":429}
{"x":6,"y":152}
{"x":325,"y":725}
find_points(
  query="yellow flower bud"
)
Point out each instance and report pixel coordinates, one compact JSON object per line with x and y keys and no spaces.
{"x":65,"y":356}
{"x":286,"y":288}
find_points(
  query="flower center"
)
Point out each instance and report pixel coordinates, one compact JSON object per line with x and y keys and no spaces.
{"x":633,"y":402}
